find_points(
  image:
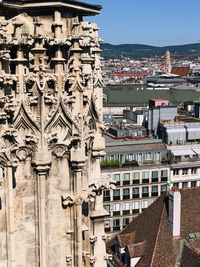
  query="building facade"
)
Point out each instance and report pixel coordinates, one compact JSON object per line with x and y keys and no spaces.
{"x":51,"y":210}
{"x":138,"y":173}
{"x":136,"y":188}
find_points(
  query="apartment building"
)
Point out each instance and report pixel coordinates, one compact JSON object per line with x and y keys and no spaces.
{"x":185,"y":166}
{"x":136,"y":188}
{"x":139,"y":176}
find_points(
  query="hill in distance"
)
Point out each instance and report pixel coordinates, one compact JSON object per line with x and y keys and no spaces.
{"x":138,"y":51}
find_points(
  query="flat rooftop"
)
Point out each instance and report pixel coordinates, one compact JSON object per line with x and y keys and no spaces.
{"x":133,"y":95}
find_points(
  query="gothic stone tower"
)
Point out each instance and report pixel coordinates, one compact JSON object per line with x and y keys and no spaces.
{"x":51,"y":211}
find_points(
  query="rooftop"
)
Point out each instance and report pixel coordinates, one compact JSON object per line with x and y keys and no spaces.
{"x":38,"y":7}
{"x":149,"y":235}
{"x":134,"y":95}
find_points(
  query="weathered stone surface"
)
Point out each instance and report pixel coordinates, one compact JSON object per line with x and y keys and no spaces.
{"x":50,"y":136}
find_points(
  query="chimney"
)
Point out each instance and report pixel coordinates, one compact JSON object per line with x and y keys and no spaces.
{"x":174,"y":212}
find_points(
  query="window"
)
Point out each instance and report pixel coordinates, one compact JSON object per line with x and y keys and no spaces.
{"x":136,"y":192}
{"x":117,"y":178}
{"x":148,"y":156}
{"x":125,"y":222}
{"x":126,"y":178}
{"x":154,"y":191}
{"x":154,"y":176}
{"x":130,"y":157}
{"x":145,"y":191}
{"x":184,"y":171}
{"x":157,"y":156}
{"x":175,"y":172}
{"x":107,"y":207}
{"x":136,"y":207}
{"x":116,"y":225}
{"x":164,"y":175}
{"x":193,"y":170}
{"x":145,"y":177}
{"x":116,"y":194}
{"x":163,"y":188}
{"x":136,"y":178}
{"x":116,"y":209}
{"x":193,"y":184}
{"x":184,"y":184}
{"x":126,"y":208}
{"x":139,"y":157}
{"x":126,"y":193}
{"x":144,"y":204}
{"x":106,"y":195}
{"x":107,"y":225}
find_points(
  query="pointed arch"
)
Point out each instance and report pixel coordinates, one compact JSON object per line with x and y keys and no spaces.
{"x":22,"y":119}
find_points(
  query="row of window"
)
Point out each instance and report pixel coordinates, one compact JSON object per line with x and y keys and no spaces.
{"x":126,"y":207}
{"x":116,"y":224}
{"x":139,"y":157}
{"x":185,"y":184}
{"x":185,"y":171}
{"x":144,"y":177}
{"x":125,"y":193}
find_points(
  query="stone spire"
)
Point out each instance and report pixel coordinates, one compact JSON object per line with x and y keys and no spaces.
{"x":50,"y":135}
{"x":168,"y":66}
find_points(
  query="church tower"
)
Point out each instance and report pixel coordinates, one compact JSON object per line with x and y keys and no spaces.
{"x":51,"y":211}
{"x":168,"y":65}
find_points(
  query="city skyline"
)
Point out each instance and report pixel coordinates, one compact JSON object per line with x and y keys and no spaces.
{"x":148,"y":22}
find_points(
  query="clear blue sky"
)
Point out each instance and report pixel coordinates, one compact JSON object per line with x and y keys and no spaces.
{"x":153,"y":22}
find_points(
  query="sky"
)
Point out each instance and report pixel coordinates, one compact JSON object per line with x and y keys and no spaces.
{"x":151,"y":22}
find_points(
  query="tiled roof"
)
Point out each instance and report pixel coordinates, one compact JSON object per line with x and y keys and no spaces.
{"x":152,"y":229}
{"x":181,"y":71}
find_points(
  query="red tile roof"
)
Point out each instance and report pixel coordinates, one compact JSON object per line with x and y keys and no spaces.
{"x":181,"y":71}
{"x":149,"y":235}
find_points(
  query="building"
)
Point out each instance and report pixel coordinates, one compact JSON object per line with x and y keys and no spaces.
{"x":119,"y":97}
{"x":168,"y":65}
{"x":183,"y":131}
{"x":135,"y":189}
{"x":167,"y":233}
{"x":136,"y":116}
{"x":139,"y":176}
{"x":158,"y":114}
{"x":185,"y":165}
{"x":51,"y":210}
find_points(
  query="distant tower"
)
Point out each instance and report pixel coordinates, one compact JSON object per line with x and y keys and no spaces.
{"x":51,"y":203}
{"x":168,"y":66}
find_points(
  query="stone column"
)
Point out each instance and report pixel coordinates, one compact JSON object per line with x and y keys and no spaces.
{"x":78,"y":257}
{"x":10,"y":218}
{"x":41,"y":175}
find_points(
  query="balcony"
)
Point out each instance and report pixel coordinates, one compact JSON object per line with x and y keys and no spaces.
{"x":154,"y":180}
{"x":116,"y":197}
{"x":116,"y":228}
{"x":145,"y":181}
{"x":135,"y":211}
{"x":126,"y":212}
{"x":126,"y":196}
{"x":164,"y":179}
{"x":116,"y":213}
{"x":106,"y":198}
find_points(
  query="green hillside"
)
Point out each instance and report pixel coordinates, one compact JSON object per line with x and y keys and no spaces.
{"x":138,"y":51}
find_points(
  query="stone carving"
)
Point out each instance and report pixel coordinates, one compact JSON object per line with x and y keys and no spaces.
{"x":50,"y":133}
